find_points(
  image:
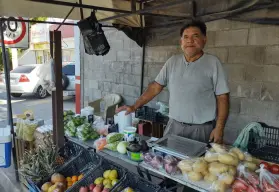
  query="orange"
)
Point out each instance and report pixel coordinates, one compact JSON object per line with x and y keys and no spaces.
{"x":80,"y":177}
{"x":68,"y":179}
{"x":70,"y":183}
{"x":74,"y":178}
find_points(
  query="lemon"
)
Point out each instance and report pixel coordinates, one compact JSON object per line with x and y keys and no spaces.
{"x":129,"y":189}
{"x":106,"y":181}
{"x":113,"y":182}
{"x":106,"y":174}
{"x":113,"y":175}
{"x":108,"y":186}
{"x":99,"y":180}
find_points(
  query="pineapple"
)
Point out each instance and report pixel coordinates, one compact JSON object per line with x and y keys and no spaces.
{"x":60,"y":160}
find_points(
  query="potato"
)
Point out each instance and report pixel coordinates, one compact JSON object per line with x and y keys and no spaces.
{"x":185,"y":165}
{"x":211,"y":157}
{"x":194,"y":176}
{"x":210,"y":178}
{"x":228,"y":159}
{"x":226,"y":178}
{"x":216,"y":168}
{"x":234,"y":154}
{"x":219,"y":186}
{"x":46,"y":186}
{"x":218,"y":148}
{"x":232,"y":170}
{"x":239,"y":153}
{"x":248,"y":157}
{"x":212,"y":150}
{"x":256,"y":161}
{"x":204,"y":173}
{"x":200,"y":166}
{"x":250,"y":165}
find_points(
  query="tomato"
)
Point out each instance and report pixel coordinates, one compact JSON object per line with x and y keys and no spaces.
{"x":240,"y":185}
{"x":266,"y":165}
{"x":274,"y":169}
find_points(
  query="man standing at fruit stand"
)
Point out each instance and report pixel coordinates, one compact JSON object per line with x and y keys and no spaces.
{"x":199,"y":93}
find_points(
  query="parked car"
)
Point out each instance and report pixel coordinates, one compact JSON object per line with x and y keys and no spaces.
{"x":24,"y":79}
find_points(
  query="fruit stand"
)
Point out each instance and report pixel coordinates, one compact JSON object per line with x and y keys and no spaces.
{"x":85,"y":163}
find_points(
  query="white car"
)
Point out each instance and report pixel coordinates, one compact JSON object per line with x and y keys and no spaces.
{"x":24,"y":79}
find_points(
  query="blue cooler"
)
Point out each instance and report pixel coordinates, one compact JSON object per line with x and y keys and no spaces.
{"x":5,"y":147}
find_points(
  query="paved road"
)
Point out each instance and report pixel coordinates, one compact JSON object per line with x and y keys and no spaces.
{"x":42,"y":108}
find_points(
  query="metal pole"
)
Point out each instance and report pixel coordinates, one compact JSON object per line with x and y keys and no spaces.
{"x":81,"y":11}
{"x":8,"y":91}
{"x":59,"y":126}
{"x":143,"y":53}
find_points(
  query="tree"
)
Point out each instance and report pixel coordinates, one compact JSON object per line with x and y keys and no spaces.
{"x":9,"y":59}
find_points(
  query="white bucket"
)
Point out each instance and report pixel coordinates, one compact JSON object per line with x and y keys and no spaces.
{"x":130,"y":133}
{"x":123,"y":121}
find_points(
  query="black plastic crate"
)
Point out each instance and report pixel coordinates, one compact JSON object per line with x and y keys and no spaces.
{"x":137,"y":183}
{"x":81,"y":164}
{"x":267,"y":147}
{"x":164,"y":190}
{"x":70,"y":150}
{"x":90,"y":177}
{"x":150,"y":114}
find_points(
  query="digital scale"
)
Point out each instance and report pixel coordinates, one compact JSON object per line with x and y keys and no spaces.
{"x":179,"y":147}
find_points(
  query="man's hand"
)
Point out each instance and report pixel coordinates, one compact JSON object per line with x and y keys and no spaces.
{"x":216,"y":135}
{"x":128,"y":109}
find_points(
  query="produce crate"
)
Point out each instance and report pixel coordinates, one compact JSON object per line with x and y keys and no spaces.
{"x":150,"y":114}
{"x":164,"y":190}
{"x":137,"y":183}
{"x":90,"y":177}
{"x":82,"y":163}
{"x":267,"y":147}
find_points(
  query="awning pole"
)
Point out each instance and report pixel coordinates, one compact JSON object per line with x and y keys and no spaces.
{"x":8,"y":91}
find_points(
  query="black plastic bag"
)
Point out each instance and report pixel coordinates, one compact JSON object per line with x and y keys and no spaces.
{"x":95,"y":41}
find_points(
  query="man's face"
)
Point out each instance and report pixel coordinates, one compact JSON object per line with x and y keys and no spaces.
{"x":192,"y":41}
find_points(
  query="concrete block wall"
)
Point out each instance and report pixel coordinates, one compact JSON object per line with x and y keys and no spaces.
{"x":117,"y":72}
{"x":248,"y":53}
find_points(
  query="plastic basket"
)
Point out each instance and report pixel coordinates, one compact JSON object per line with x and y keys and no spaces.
{"x":150,"y":114}
{"x":90,"y":177}
{"x":137,"y":183}
{"x":164,"y":190}
{"x":265,"y":148}
{"x":70,"y":150}
{"x":81,"y":164}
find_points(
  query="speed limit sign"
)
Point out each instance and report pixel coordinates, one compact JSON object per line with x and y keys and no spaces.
{"x":16,"y":33}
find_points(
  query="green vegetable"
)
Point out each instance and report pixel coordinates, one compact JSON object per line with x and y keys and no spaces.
{"x":113,"y":137}
{"x":121,"y":147}
{"x":112,"y":146}
{"x":86,"y":132}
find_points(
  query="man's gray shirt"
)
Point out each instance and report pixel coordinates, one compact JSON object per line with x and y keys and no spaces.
{"x":193,"y":87}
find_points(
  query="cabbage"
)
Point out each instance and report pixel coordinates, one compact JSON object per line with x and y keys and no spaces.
{"x":121,"y":147}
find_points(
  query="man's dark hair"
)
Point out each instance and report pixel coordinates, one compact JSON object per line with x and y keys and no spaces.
{"x":194,"y":23}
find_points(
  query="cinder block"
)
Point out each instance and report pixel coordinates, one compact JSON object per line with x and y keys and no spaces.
{"x":240,"y":25}
{"x":264,"y":36}
{"x":235,"y":104}
{"x":107,"y":86}
{"x":116,"y":44}
{"x":265,"y":109}
{"x":96,"y":75}
{"x":235,"y":72}
{"x":112,"y":77}
{"x":131,"y":79}
{"x":273,"y":123}
{"x":231,"y":38}
{"x":245,"y":89}
{"x":153,"y":70}
{"x":270,"y":92}
{"x":117,"y":67}
{"x":111,"y":56}
{"x":131,"y":91}
{"x":129,"y":100}
{"x":101,"y":85}
{"x":210,"y":39}
{"x":98,"y":59}
{"x":147,"y":80}
{"x":136,"y":54}
{"x":161,"y":53}
{"x":221,"y":53}
{"x":95,"y":94}
{"x":117,"y":88}
{"x":271,"y":55}
{"x":254,"y":73}
{"x":271,"y":73}
{"x":246,"y":55}
{"x":239,"y":121}
{"x":230,"y":135}
{"x":136,"y":69}
{"x":93,"y":84}
{"x":221,"y":24}
{"x":127,"y":67}
{"x":123,"y":55}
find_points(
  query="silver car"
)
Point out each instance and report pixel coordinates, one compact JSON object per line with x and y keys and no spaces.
{"x":25,"y":80}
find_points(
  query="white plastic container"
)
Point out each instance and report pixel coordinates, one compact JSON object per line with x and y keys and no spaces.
{"x":123,"y":121}
{"x":88,"y":112}
{"x":130,"y":133}
{"x":5,"y":147}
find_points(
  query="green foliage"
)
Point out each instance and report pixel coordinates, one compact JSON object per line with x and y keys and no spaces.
{"x":9,"y":52}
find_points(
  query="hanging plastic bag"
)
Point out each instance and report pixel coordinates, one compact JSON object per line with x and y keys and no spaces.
{"x":100,"y":143}
{"x":94,"y":39}
{"x":164,"y":109}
